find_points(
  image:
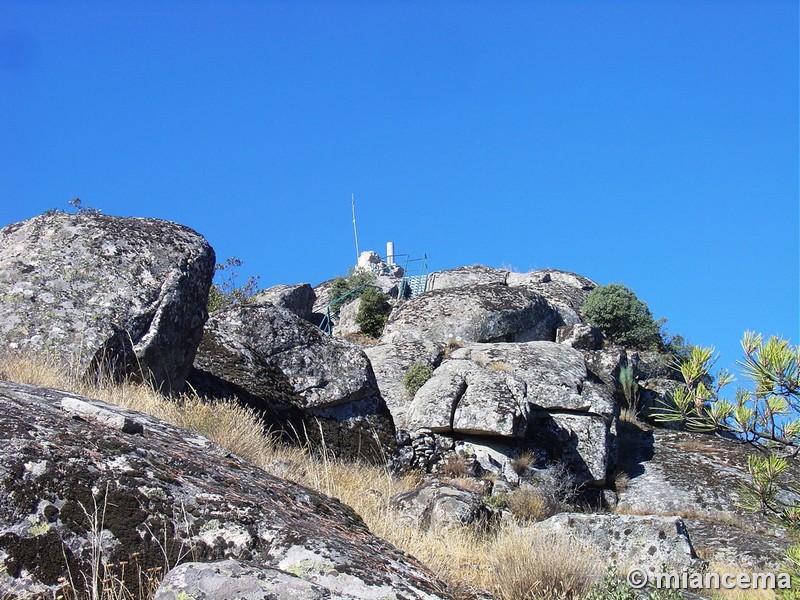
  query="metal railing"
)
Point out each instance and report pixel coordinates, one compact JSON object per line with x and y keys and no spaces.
{"x":414,"y":282}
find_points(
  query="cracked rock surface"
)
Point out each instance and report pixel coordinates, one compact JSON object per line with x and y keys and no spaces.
{"x":69,"y":484}
{"x":113,"y":295}
{"x":297,"y":377}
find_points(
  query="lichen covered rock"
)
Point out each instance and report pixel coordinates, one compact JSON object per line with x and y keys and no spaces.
{"x":73,"y":486}
{"x":281,"y":364}
{"x":109,"y":296}
{"x":480,"y":313}
{"x":298,"y":299}
{"x":647,"y":542}
{"x":540,"y":393}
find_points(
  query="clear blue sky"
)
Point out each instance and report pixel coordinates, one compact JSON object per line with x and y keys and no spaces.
{"x":649,"y":143}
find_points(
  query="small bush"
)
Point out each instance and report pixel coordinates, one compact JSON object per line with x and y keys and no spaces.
{"x":344,"y":285}
{"x":416,"y":376}
{"x":499,"y":501}
{"x":455,"y":465}
{"x":373,"y":312}
{"x":530,"y":504}
{"x":558,"y":482}
{"x":622,"y":317}
{"x":453,"y":344}
{"x":523,"y":461}
{"x":630,"y":388}
{"x":612,"y":587}
{"x":621,"y":481}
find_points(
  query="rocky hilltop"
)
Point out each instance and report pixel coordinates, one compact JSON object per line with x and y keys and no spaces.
{"x":520,"y":397}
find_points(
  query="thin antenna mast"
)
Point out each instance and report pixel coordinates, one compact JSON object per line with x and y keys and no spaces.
{"x":355,"y":231}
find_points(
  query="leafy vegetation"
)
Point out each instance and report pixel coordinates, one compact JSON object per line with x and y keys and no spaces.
{"x":354,"y":285}
{"x":224,"y":292}
{"x":78,"y":205}
{"x":622,"y":317}
{"x":766,"y":415}
{"x":612,"y":587}
{"x":373,"y":312}
{"x":630,"y":388}
{"x":416,"y":376}
{"x":82,"y":209}
{"x":374,"y":309}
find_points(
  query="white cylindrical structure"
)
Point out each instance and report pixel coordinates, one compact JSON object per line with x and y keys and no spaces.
{"x":389,"y":253}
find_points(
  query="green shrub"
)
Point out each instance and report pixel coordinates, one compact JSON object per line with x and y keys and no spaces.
{"x":622,"y":317}
{"x":342,"y":286}
{"x":612,"y":587}
{"x":373,"y":312}
{"x":630,"y":388}
{"x":416,"y":376}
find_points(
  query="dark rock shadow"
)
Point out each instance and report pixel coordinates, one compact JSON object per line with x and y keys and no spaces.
{"x":557,"y":444}
{"x":634,"y":448}
{"x":279,"y":414}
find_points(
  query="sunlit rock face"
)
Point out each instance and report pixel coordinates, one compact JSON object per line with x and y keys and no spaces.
{"x":296,"y":377}
{"x":108,"y":296}
{"x":78,"y":476}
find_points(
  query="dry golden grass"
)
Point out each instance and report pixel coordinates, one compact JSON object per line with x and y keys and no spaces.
{"x":628,"y":415}
{"x":523,"y":461}
{"x":470,"y":484}
{"x":500,"y":365}
{"x":455,"y":465}
{"x":510,"y":562}
{"x":488,"y":362}
{"x":725,"y":594}
{"x":529,"y":504}
{"x":527,"y":565}
{"x":621,"y":482}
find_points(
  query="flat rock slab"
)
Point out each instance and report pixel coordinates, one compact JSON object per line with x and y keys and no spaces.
{"x":646,"y":542}
{"x":699,"y":476}
{"x":229,"y":580}
{"x":677,"y":472}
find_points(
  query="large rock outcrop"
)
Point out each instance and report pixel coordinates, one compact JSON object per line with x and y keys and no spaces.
{"x":280,"y":364}
{"x":500,"y":381}
{"x":534,"y":392}
{"x":109,"y":296}
{"x":78,"y":477}
{"x":480,"y":313}
{"x":699,"y":476}
{"x":565,"y":291}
